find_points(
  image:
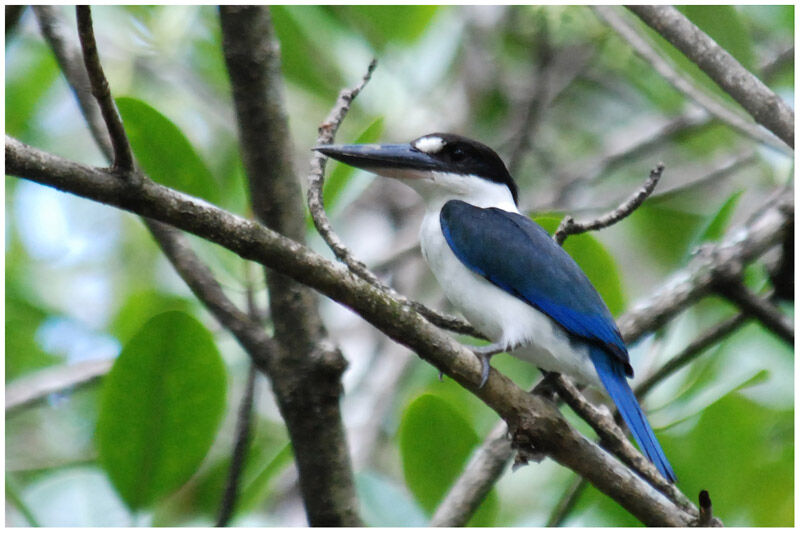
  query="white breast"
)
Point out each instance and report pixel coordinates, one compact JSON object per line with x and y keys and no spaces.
{"x":500,"y":316}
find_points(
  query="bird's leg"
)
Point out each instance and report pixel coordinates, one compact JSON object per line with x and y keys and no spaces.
{"x":484,"y":354}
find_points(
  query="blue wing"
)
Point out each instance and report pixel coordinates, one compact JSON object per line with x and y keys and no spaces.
{"x":517,"y":255}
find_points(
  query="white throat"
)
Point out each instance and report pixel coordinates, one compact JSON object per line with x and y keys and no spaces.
{"x":438,"y":188}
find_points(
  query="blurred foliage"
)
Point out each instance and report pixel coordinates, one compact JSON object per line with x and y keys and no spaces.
{"x":85,"y":281}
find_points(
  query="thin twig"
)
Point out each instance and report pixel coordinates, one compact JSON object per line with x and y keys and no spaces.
{"x":719,"y":172}
{"x":569,"y":227}
{"x":774,"y":65}
{"x":766,"y":107}
{"x":567,"y":502}
{"x":38,"y":385}
{"x":243,"y":430}
{"x":123,"y":156}
{"x":316,"y":207}
{"x":681,"y":83}
{"x":759,"y":308}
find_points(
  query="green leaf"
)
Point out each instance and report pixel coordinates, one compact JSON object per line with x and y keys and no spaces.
{"x":30,"y":73}
{"x":667,"y":232}
{"x":139,"y":307}
{"x":721,"y":23}
{"x":255,"y":488}
{"x":385,"y":24}
{"x":724,"y":25}
{"x":164,"y":152}
{"x":595,"y":261}
{"x":718,"y":223}
{"x":161,"y":406}
{"x":23,"y":353}
{"x":301,"y":30}
{"x":435,"y":444}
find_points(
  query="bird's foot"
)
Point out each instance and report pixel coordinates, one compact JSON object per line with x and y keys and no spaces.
{"x":484,"y":355}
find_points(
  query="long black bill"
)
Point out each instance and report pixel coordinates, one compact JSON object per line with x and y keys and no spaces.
{"x":374,"y":157}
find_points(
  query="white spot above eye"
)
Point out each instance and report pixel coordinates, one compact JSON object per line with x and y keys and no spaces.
{"x":429,"y":145}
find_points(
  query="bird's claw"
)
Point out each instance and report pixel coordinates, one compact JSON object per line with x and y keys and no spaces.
{"x":485,"y":367}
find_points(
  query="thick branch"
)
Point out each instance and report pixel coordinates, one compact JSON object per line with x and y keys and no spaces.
{"x":306,"y":375}
{"x":123,"y":156}
{"x":710,"y":265}
{"x":766,"y":107}
{"x":681,"y":83}
{"x":532,"y":420}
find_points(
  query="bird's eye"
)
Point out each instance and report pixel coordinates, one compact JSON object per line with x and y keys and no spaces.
{"x":458,"y":154}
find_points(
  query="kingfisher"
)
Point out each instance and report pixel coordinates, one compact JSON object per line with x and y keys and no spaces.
{"x":504,"y":272}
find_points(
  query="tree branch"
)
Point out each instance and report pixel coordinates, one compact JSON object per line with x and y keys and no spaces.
{"x":766,"y":107}
{"x":714,"y":262}
{"x":32,"y":388}
{"x":123,"y":156}
{"x":569,"y":227}
{"x":759,"y":308}
{"x":306,"y":375}
{"x":533,"y":421}
{"x":242,"y":441}
{"x":682,"y":84}
{"x":690,"y":353}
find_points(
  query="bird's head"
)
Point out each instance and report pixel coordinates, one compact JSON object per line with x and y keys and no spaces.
{"x":439,"y":166}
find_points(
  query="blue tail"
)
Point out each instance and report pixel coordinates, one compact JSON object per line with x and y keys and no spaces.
{"x":612,"y":374}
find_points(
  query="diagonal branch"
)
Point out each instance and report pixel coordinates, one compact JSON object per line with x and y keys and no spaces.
{"x":766,"y":107}
{"x":759,"y":308}
{"x":681,"y":83}
{"x":123,"y":156}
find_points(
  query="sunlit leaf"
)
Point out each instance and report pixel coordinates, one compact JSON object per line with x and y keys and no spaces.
{"x":595,"y":261}
{"x":164,"y":152}
{"x":162,"y":403}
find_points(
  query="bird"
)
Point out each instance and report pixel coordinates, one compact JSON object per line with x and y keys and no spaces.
{"x":504,"y":272}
